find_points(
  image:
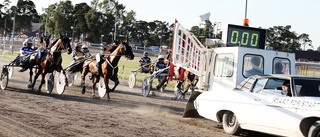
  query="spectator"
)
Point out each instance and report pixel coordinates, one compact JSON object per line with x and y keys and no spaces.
{"x":278,"y":68}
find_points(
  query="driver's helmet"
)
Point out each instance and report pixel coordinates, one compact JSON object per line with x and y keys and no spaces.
{"x":29,"y":40}
{"x":84,"y":47}
{"x":145,"y":53}
{"x":160,"y":57}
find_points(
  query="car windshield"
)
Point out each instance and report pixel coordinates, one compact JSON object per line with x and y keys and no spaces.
{"x":307,"y":87}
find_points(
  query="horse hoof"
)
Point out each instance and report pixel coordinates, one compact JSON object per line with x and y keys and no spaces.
{"x":29,"y":85}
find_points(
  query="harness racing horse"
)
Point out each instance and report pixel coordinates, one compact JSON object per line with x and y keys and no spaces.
{"x":181,"y":75}
{"x":108,"y":68}
{"x":51,"y":59}
{"x":34,"y":57}
{"x":78,"y":66}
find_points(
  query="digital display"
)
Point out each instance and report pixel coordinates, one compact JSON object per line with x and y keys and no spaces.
{"x":245,"y":36}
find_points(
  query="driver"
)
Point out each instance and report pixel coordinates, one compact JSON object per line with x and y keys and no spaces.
{"x":286,"y":87}
{"x":24,"y":52}
{"x":161,"y":65}
{"x":77,"y":54}
{"x":145,"y":60}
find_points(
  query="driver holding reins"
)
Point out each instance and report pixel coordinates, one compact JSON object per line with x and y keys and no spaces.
{"x":24,"y":52}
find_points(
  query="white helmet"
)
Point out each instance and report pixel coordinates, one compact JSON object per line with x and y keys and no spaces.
{"x":84,"y":47}
{"x":160,"y":57}
{"x":28,"y":40}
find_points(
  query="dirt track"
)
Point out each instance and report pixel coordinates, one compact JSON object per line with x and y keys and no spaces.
{"x":128,"y":113}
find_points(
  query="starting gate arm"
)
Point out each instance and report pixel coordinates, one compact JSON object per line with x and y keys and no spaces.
{"x":189,"y":53}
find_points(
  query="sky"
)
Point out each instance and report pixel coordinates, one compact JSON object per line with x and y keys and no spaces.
{"x":302,"y":15}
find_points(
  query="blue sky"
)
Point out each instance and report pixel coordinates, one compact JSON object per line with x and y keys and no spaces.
{"x":302,"y":15}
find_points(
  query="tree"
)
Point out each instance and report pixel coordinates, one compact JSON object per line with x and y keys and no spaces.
{"x":63,"y":18}
{"x":281,"y":38}
{"x":304,"y":40}
{"x":4,"y":11}
{"x":79,"y":19}
{"x":142,"y":31}
{"x":128,"y":25}
{"x":318,"y":49}
{"x":25,"y":13}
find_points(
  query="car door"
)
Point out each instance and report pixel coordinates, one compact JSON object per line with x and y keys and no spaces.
{"x":270,"y":116}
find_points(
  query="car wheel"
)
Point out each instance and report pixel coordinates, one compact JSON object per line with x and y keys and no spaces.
{"x":230,"y":123}
{"x":314,"y":130}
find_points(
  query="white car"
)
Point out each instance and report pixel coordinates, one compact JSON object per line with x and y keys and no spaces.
{"x":259,"y":104}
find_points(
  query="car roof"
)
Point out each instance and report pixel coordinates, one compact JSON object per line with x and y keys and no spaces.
{"x":282,"y":76}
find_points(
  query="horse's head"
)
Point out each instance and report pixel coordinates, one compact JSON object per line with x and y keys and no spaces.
{"x":66,"y":43}
{"x":126,"y":50}
{"x":45,"y":40}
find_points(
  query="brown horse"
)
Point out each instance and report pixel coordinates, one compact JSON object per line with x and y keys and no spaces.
{"x":51,"y":59}
{"x":108,"y":68}
{"x":181,"y":75}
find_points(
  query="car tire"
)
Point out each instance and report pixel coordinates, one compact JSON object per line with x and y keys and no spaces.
{"x":314,"y":130}
{"x":230,"y":123}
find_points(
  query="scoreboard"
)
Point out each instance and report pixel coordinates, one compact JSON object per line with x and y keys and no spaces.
{"x":244,"y":36}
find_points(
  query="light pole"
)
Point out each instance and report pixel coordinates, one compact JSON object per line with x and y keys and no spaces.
{"x":4,"y":30}
{"x":5,"y":22}
{"x":14,"y":24}
{"x":114,"y":5}
{"x":101,"y":44}
{"x":73,"y":27}
{"x":45,"y":29}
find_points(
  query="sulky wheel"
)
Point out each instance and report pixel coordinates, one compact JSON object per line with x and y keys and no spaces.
{"x":71,"y":78}
{"x":49,"y":83}
{"x":10,"y":70}
{"x":4,"y":78}
{"x":145,"y":87}
{"x":102,"y":88}
{"x":60,"y":82}
{"x":132,"y":80}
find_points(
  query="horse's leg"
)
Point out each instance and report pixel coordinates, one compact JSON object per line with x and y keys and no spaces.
{"x":189,"y":83}
{"x":30,"y":78}
{"x":164,"y":80}
{"x":35,"y":78}
{"x":83,"y":78}
{"x":116,"y":82}
{"x":106,"y":83}
{"x":65,"y":75}
{"x":43,"y":75}
{"x":94,"y":82}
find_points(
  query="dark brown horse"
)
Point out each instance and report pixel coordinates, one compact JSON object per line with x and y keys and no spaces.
{"x":108,"y":68}
{"x":34,"y":58}
{"x":51,"y":59}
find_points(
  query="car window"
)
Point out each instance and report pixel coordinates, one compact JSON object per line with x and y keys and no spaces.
{"x":307,"y":87}
{"x":259,"y":85}
{"x":273,"y":87}
{"x":223,"y":65}
{"x":246,"y":84}
{"x":281,"y":66}
{"x":252,"y":65}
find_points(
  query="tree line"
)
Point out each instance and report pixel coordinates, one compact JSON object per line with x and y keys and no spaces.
{"x":100,"y":21}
